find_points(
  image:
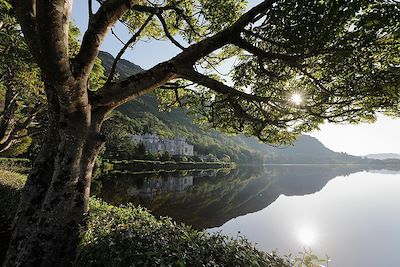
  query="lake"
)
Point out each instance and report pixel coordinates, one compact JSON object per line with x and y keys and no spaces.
{"x":350,"y":213}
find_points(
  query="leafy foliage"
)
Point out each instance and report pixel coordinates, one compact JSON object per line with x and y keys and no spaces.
{"x":133,"y":236}
{"x":125,"y":236}
{"x":340,"y":57}
{"x":191,"y":20}
{"x":21,"y":88}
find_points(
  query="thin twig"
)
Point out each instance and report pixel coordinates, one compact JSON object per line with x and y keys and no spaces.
{"x":116,"y":36}
{"x":167,"y":33}
{"x":122,"y":51}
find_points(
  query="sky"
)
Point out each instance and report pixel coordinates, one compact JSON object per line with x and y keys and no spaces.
{"x":379,"y":137}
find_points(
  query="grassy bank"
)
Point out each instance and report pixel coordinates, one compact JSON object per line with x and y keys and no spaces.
{"x":10,"y":185}
{"x":130,"y":236}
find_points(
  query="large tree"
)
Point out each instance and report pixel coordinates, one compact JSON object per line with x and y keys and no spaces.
{"x":22,"y":98}
{"x":340,"y":58}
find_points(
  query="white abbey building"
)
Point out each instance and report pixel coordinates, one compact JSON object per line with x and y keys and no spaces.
{"x":154,"y":144}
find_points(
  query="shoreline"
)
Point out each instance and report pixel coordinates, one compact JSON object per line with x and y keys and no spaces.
{"x":144,"y":165}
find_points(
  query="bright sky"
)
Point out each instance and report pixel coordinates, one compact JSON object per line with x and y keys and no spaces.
{"x":362,"y":139}
{"x":379,"y":137}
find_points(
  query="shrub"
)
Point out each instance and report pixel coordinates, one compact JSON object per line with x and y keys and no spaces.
{"x":152,"y":156}
{"x":165,"y":156}
{"x":197,"y":159}
{"x":225,"y":158}
{"x":211,"y":158}
{"x":127,"y":236}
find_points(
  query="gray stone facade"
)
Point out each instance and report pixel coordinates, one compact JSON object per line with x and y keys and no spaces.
{"x":155,"y":144}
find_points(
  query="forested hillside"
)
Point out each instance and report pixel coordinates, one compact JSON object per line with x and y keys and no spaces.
{"x":143,"y":115}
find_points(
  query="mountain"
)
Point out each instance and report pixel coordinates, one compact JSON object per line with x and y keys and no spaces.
{"x":125,"y":68}
{"x":382,"y":156}
{"x":306,"y":150}
{"x":144,"y":116}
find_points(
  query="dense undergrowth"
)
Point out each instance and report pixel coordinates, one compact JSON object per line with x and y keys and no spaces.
{"x":131,"y":236}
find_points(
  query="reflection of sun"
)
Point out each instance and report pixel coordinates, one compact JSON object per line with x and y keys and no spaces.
{"x":296,"y":98}
{"x":306,"y":236}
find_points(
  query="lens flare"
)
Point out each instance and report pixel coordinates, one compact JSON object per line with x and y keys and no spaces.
{"x":306,"y":236}
{"x":296,"y":98}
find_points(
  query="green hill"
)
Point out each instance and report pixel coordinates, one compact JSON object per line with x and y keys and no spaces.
{"x":143,"y":115}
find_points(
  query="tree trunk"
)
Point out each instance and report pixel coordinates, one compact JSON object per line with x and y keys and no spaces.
{"x":55,"y":197}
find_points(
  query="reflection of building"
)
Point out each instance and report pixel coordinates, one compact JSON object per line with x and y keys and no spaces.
{"x":154,"y":144}
{"x":172,"y":184}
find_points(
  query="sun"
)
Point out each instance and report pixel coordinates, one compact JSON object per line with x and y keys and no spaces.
{"x":296,"y":99}
{"x":306,"y":236}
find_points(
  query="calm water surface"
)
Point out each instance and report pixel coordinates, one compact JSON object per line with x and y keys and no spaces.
{"x":348,"y":213}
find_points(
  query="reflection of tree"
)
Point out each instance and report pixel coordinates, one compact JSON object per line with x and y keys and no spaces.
{"x":218,"y":196}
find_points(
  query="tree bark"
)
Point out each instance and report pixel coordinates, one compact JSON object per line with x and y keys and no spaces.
{"x":55,"y":197}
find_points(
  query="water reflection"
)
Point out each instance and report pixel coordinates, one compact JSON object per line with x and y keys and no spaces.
{"x":354,"y":219}
{"x":307,"y":236}
{"x":210,"y":198}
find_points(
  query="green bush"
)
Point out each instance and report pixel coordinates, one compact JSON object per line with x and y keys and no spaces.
{"x":197,"y":159}
{"x":107,"y":166}
{"x":152,"y":156}
{"x":129,"y":236}
{"x":165,"y":156}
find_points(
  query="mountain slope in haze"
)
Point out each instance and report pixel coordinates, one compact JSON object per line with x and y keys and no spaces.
{"x":306,"y":150}
{"x":145,"y":112}
{"x":382,"y":156}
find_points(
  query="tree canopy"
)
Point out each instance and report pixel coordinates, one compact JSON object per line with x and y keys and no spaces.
{"x":340,"y":57}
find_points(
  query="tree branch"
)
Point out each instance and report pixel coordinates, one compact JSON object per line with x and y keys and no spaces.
{"x":26,"y":13}
{"x":90,"y":8}
{"x":167,"y":33}
{"x":117,"y":37}
{"x":289,"y":59}
{"x":29,"y":134}
{"x":220,"y":87}
{"x":111,"y":96}
{"x":30,"y":117}
{"x":107,"y":15}
{"x":127,"y":44}
{"x":53,"y":28}
{"x":115,"y":94}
